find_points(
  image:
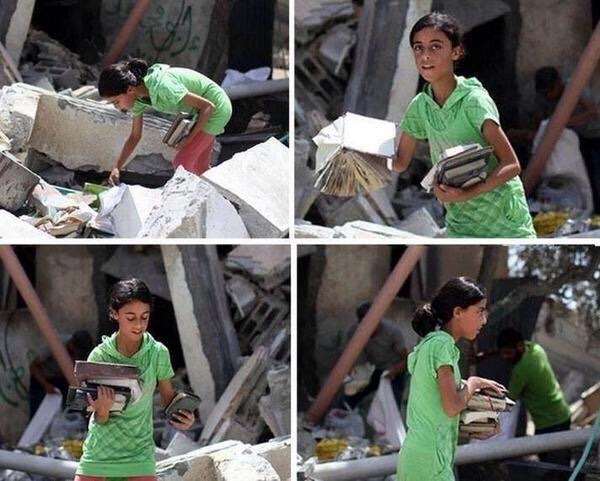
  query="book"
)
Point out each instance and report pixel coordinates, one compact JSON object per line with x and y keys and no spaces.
{"x":85,"y":370}
{"x":180,"y":128}
{"x":460,"y":166}
{"x":182,"y":400}
{"x":77,"y":398}
{"x":468,"y":417}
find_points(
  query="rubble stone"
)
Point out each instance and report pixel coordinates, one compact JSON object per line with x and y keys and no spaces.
{"x":367,"y":230}
{"x":130,"y":214}
{"x":275,"y":408}
{"x":11,"y":227}
{"x":191,"y":207}
{"x":17,"y":26}
{"x":18,"y":108}
{"x":306,"y":230}
{"x":279,"y":453}
{"x":257,"y":181}
{"x":16,"y":182}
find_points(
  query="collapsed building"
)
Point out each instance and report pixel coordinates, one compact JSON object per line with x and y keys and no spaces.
{"x":342,"y":443}
{"x":224,"y":314}
{"x":58,"y":138}
{"x":348,"y":59}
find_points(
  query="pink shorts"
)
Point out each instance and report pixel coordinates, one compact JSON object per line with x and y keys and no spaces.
{"x":195,"y":157}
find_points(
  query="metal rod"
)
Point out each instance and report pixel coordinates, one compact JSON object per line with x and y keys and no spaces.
{"x":466,"y":454}
{"x":18,"y":275}
{"x":56,"y":468}
{"x":130,"y":24}
{"x":583,"y":72}
{"x":257,"y":89}
{"x":365,"y":329}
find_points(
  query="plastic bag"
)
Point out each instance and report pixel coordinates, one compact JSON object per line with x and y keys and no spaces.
{"x":384,"y":415}
{"x":346,"y":423}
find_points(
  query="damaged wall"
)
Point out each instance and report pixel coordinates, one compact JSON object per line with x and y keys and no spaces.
{"x":15,"y":16}
{"x":352,"y":274}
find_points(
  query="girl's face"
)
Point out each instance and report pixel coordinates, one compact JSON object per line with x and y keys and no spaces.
{"x":434,"y":55}
{"x":132,"y":319}
{"x":123,"y":102}
{"x":471,"y":319}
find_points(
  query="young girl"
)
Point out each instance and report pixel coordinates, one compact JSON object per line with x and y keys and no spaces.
{"x":453,"y":111}
{"x":436,"y":396}
{"x":122,"y":445}
{"x":132,"y":86}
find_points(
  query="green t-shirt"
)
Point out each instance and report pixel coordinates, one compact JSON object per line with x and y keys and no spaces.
{"x":124,"y":445}
{"x":430,"y":444}
{"x":168,"y":85}
{"x":533,"y":381}
{"x":501,"y":212}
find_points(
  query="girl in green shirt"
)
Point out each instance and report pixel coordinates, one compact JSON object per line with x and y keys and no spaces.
{"x":135,"y":87}
{"x":453,"y":111}
{"x":437,"y":395}
{"x":121,"y":446}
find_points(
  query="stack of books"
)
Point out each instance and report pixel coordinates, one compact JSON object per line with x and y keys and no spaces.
{"x":482,"y":415}
{"x":180,"y":128}
{"x":122,"y":378}
{"x":352,"y":155}
{"x":460,"y":166}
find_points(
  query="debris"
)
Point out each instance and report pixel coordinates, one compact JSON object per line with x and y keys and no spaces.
{"x":312,"y":16}
{"x":421,"y":223}
{"x":16,"y":182}
{"x":257,"y":183}
{"x":39,"y":424}
{"x":585,"y":409}
{"x":275,"y":408}
{"x":243,"y":295}
{"x":18,"y":109}
{"x":130,"y":214}
{"x":191,"y":207}
{"x":305,"y":230}
{"x":269,"y":267}
{"x":364,"y":230}
{"x":335,"y":49}
{"x":9,"y":73}
{"x":11,"y":227}
{"x":181,"y":444}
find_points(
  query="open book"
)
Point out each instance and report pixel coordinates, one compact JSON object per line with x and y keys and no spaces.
{"x":460,"y":166}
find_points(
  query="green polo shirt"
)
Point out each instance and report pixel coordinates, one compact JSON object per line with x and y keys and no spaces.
{"x":533,"y":381}
{"x":124,"y":445}
{"x":168,"y":85}
{"x":430,"y":444}
{"x":501,"y":212}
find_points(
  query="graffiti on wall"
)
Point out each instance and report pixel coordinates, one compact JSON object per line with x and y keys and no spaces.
{"x":14,"y":370}
{"x":167,"y":30}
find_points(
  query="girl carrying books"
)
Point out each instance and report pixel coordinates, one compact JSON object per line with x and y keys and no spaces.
{"x":451,"y":111}
{"x":437,"y":395}
{"x":122,"y":446}
{"x":135,"y":87}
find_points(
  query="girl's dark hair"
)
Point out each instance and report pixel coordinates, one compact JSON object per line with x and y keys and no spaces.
{"x":458,"y":292}
{"x":439,"y":21}
{"x":127,"y":291}
{"x":117,"y":78}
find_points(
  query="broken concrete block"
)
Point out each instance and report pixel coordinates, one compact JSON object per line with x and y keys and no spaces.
{"x":421,"y":222}
{"x":269,"y":266}
{"x":275,"y":408}
{"x":243,"y":295}
{"x":13,"y":228}
{"x":181,"y":444}
{"x":257,"y":182}
{"x":367,"y":230}
{"x":16,"y":182}
{"x":88,"y":135}
{"x":279,"y":453}
{"x":18,"y":109}
{"x":306,"y":230}
{"x":130,"y":214}
{"x":15,"y":17}
{"x":191,"y":207}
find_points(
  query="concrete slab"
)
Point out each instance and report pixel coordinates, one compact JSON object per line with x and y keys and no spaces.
{"x":191,"y":207}
{"x":18,"y":26}
{"x":13,"y":228}
{"x":130,"y":214}
{"x":306,"y":230}
{"x":367,"y":230}
{"x":16,"y":182}
{"x":18,"y":109}
{"x":257,"y":182}
{"x":279,"y":453}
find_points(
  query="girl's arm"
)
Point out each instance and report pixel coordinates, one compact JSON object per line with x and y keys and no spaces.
{"x":404,"y":152}
{"x":507,"y":168}
{"x":205,"y":110}
{"x":130,"y":145}
{"x":102,"y":404}
{"x":182,"y":419}
{"x":455,"y":400}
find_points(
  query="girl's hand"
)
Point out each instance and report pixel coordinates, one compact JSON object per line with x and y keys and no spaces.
{"x":487,"y":384}
{"x":104,"y":401}
{"x":446,"y":193}
{"x":182,"y":419}
{"x":114,"y":177}
{"x":483,"y":436}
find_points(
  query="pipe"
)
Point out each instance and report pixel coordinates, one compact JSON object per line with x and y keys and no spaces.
{"x":366,"y":327}
{"x":55,"y":468}
{"x":257,"y":89}
{"x":130,"y":24}
{"x":583,"y":72}
{"x":15,"y":269}
{"x":466,"y":454}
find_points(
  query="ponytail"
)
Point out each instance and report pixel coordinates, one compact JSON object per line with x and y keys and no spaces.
{"x":458,"y":292}
{"x":117,"y":78}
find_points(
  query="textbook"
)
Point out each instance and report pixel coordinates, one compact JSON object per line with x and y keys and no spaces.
{"x":352,"y":155}
{"x":482,"y":415}
{"x":182,"y":400}
{"x":77,"y":398}
{"x":460,"y":166}
{"x":180,"y":128}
